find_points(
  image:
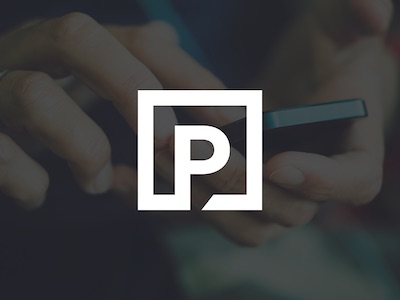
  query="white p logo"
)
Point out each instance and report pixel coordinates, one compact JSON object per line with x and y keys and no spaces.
{"x":184,"y":134}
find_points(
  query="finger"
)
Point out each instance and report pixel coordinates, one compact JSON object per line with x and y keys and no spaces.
{"x":231,"y":178}
{"x":373,"y":16}
{"x":78,"y":43}
{"x":345,"y":20}
{"x":287,"y":208}
{"x":21,"y":178}
{"x":279,"y":206}
{"x":354,"y":177}
{"x":174,"y":67}
{"x":157,"y":46}
{"x":32,"y":102}
{"x":242,"y":228}
{"x":216,"y":115}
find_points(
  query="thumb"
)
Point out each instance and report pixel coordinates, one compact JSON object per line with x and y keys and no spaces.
{"x":353,"y":177}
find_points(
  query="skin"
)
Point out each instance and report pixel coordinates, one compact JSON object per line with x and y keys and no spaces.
{"x":75,"y":43}
{"x":348,"y":60}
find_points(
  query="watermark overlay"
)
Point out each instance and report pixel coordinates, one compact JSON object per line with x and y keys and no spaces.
{"x":184,"y":166}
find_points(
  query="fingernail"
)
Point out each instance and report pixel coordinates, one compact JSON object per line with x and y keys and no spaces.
{"x":288,"y":177}
{"x":102,"y":182}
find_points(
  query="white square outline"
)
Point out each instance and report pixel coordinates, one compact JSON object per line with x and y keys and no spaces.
{"x":148,"y":99}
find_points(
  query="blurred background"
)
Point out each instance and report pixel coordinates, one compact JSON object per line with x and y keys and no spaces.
{"x":84,"y":247}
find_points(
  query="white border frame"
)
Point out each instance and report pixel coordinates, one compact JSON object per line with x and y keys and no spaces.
{"x":251,"y":99}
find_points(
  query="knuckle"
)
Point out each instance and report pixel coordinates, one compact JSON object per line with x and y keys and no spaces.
{"x":72,"y":28}
{"x":29,"y":90}
{"x":7,"y":149}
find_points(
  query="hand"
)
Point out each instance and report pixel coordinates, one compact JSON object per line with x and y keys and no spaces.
{"x":330,"y":57}
{"x":343,"y":63}
{"x":32,"y":102}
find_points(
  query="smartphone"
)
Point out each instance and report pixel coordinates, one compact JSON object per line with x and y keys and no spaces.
{"x":313,"y":128}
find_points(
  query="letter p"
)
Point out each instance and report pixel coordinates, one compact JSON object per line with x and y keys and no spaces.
{"x":185,"y":166}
